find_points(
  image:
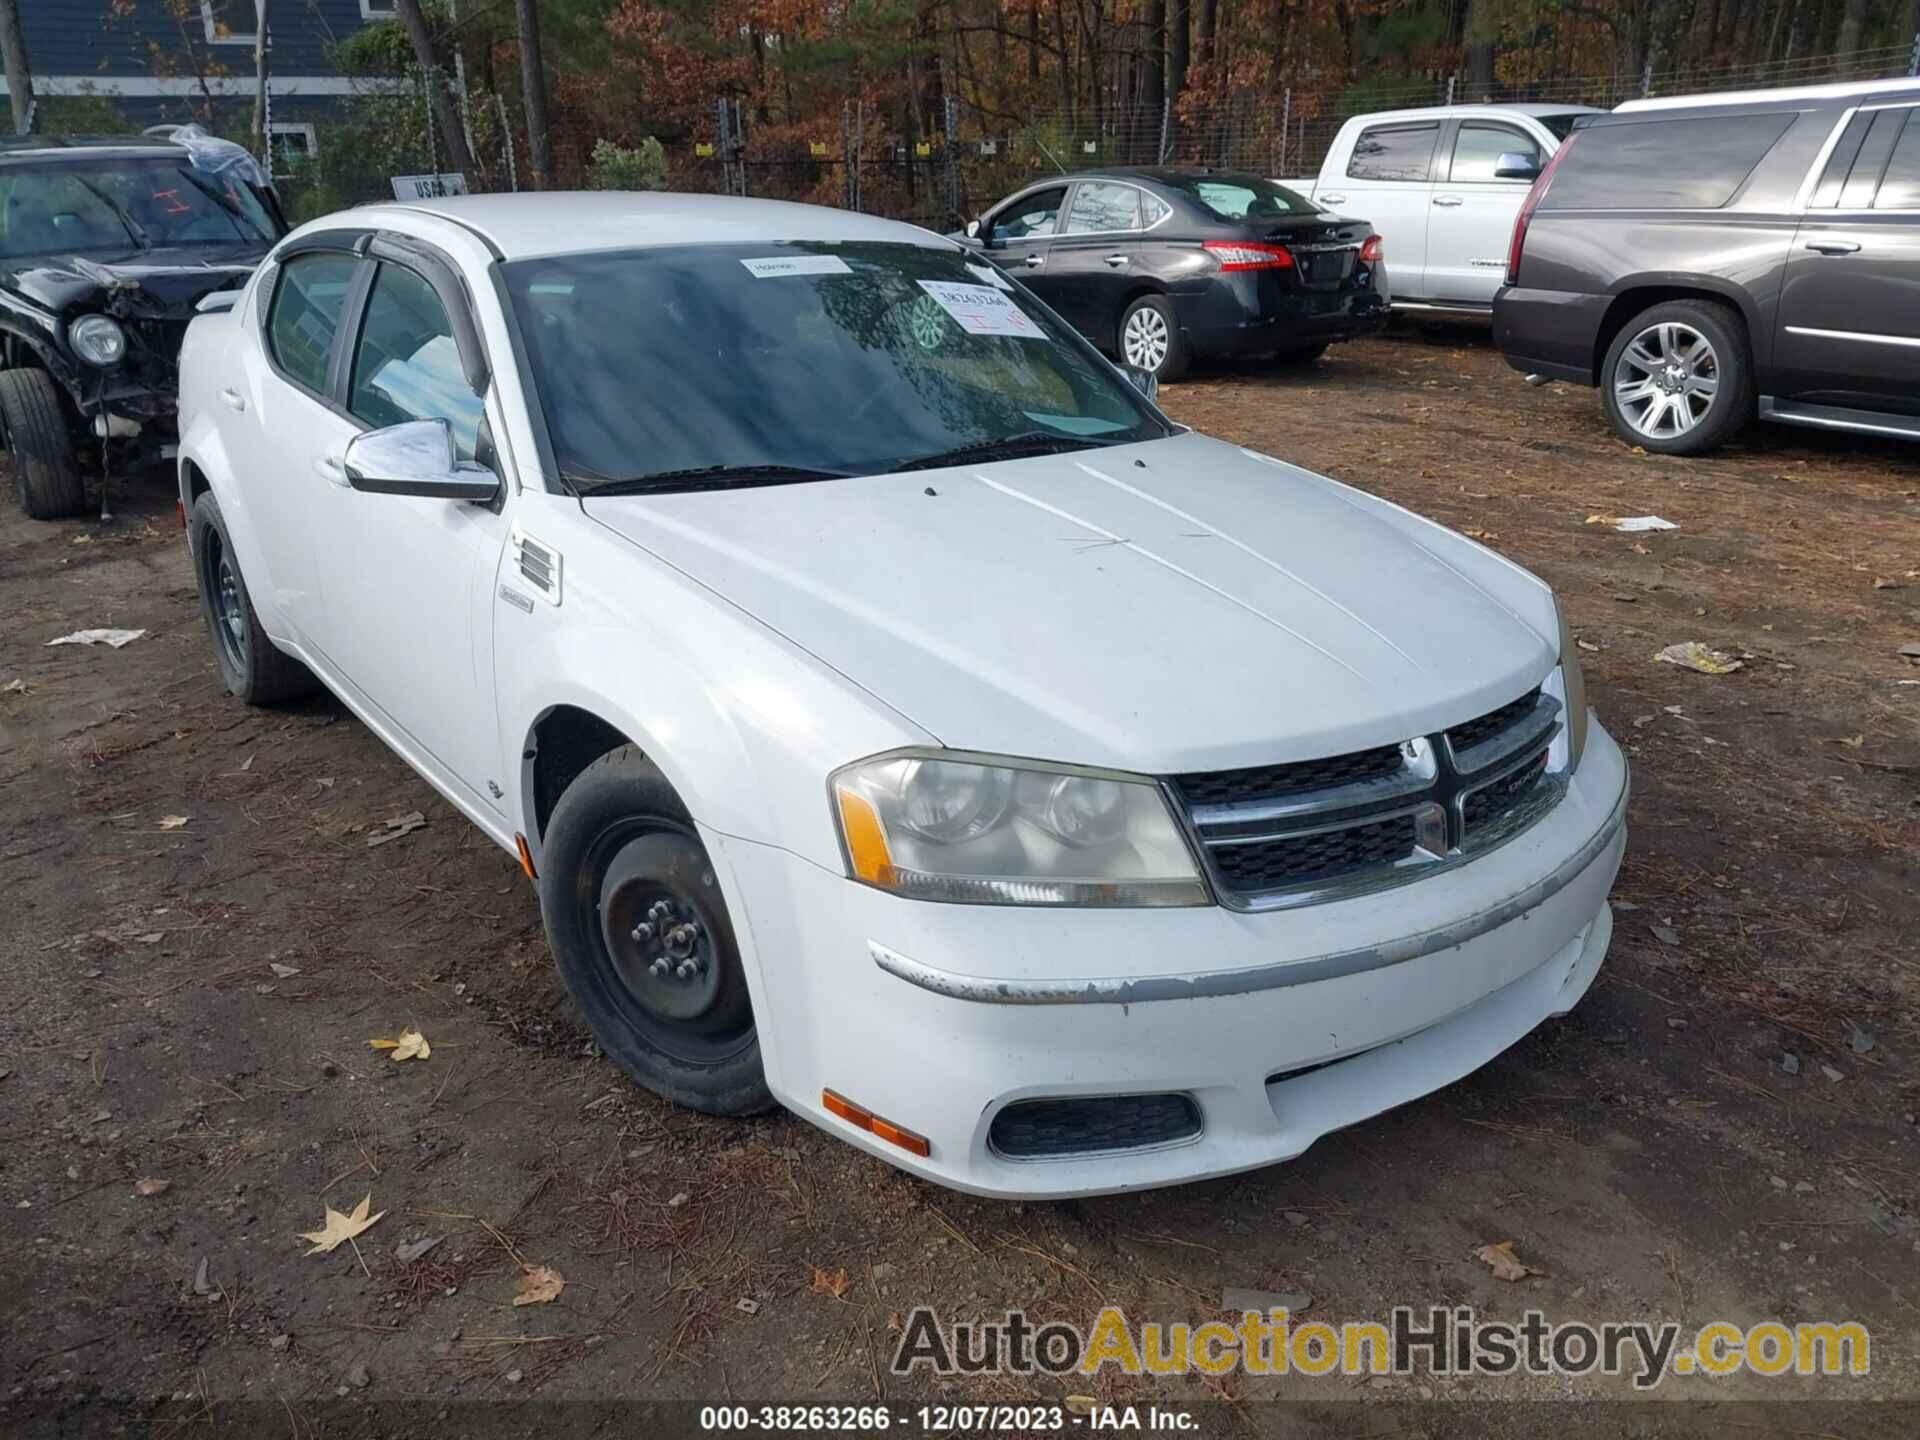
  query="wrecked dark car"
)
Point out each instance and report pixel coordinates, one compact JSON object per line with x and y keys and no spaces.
{"x":107,"y":247}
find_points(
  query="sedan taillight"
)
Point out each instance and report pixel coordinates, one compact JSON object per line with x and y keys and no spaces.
{"x":1248,"y":255}
{"x":1374,"y":251}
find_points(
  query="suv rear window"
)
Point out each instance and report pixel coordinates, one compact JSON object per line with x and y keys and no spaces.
{"x":1663,"y":164}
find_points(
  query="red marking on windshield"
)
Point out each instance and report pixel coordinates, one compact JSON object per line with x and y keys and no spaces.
{"x":178,"y":206}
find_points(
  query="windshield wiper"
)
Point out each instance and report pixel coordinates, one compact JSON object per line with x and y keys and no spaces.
{"x":131,"y":225}
{"x":710,"y":477}
{"x":1008,"y":447}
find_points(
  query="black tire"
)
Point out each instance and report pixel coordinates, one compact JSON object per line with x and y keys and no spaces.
{"x":1728,"y":363}
{"x":45,"y":472}
{"x":251,"y":665}
{"x":1299,"y":354}
{"x":1172,"y":342}
{"x":620,"y":845}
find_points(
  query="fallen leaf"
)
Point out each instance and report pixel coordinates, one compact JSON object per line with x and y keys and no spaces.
{"x":284,"y":972}
{"x":1082,"y":1404}
{"x":340,"y":1227}
{"x":1852,"y":742}
{"x":1692,"y":655}
{"x":14,"y":687}
{"x":411,"y":1045}
{"x":540,"y":1285}
{"x":151,"y":1186}
{"x":396,"y":827}
{"x":173,"y":822}
{"x":829,"y":1282}
{"x":1505,"y":1265}
{"x":201,"y":1284}
{"x":411,"y":1251}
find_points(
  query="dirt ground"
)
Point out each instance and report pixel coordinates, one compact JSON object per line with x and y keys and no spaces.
{"x":1724,"y":1129}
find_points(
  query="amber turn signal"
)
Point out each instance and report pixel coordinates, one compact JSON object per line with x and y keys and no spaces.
{"x":865,"y":1119}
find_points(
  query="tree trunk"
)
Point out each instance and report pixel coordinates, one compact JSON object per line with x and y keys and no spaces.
{"x":1480,"y":36}
{"x":1155,"y":90}
{"x":533,"y":83}
{"x":443,"y":111}
{"x":19,"y":73}
{"x":1179,"y":46}
{"x":260,"y":83}
{"x":1210,"y":27}
{"x":1852,"y":20}
{"x":1033,"y":38}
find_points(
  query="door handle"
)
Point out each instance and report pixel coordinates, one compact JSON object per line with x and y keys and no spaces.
{"x":1833,"y":247}
{"x":1034,"y":262}
{"x":333,"y":468}
{"x":1334,"y":199}
{"x":1116,"y":260}
{"x":233,"y":399}
{"x":1449,"y":201}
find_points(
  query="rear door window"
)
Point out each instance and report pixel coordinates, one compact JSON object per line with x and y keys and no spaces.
{"x":1101,"y":207}
{"x":1478,"y":147}
{"x":1394,"y":152}
{"x":1664,"y":164}
{"x":307,"y":300}
{"x":1900,"y":187}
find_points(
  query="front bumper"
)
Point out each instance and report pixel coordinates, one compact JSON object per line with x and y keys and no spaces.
{"x":936,"y":1017}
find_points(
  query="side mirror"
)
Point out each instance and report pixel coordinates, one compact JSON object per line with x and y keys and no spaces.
{"x":973,"y":229}
{"x":216,"y":301}
{"x":1143,"y":380}
{"x":1516,"y":165}
{"x":416,"y":458}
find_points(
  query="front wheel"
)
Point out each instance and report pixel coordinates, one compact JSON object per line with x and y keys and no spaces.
{"x":1678,"y":378}
{"x":642,"y":937}
{"x":46,"y":473}
{"x":1150,"y":338}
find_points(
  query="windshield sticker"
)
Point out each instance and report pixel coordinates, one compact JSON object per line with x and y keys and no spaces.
{"x":992,"y":276}
{"x":982,"y":310}
{"x":796,"y":265}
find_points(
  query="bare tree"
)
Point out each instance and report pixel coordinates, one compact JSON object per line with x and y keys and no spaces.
{"x":19,"y":73}
{"x":443,"y":109}
{"x":260,"y":78}
{"x":533,"y":83}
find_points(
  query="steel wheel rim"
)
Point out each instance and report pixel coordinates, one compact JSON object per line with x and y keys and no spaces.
{"x":1147,"y":338}
{"x":685,"y":1016}
{"x":229,"y":611}
{"x":1667,"y":380}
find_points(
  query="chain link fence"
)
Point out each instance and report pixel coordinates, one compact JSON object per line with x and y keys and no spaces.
{"x":963,"y":159}
{"x":951,"y":160}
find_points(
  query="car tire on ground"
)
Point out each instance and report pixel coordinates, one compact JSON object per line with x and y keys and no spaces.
{"x":1150,"y":338}
{"x":1678,"y":378}
{"x":45,"y":472}
{"x":251,"y":665}
{"x":640,"y":931}
{"x":1299,"y":354}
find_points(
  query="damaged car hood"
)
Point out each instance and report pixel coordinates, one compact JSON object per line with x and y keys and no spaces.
{"x":167,"y":281}
{"x":1181,"y":604}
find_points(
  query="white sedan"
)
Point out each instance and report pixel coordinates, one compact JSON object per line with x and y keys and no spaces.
{"x":904,"y":722}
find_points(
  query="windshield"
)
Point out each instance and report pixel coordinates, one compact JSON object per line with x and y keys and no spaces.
{"x":1242,"y":197}
{"x":687,"y":366}
{"x":121,"y":205}
{"x":1561,"y":125}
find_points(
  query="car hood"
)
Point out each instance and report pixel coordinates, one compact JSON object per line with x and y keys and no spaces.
{"x":160,"y":283}
{"x":1181,"y":604}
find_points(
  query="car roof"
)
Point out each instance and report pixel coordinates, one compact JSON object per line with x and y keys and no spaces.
{"x":1450,"y":112}
{"x":1782,"y":95}
{"x":526,"y":225}
{"x":43,"y":147}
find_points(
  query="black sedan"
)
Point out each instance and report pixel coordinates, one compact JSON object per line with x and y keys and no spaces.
{"x":1159,"y":265}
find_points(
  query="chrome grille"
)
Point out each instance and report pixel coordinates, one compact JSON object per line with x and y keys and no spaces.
{"x":1277,"y":835}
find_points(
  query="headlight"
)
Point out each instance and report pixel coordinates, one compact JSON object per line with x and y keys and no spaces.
{"x":1568,"y":686}
{"x":98,"y":340}
{"x":1005,"y":832}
